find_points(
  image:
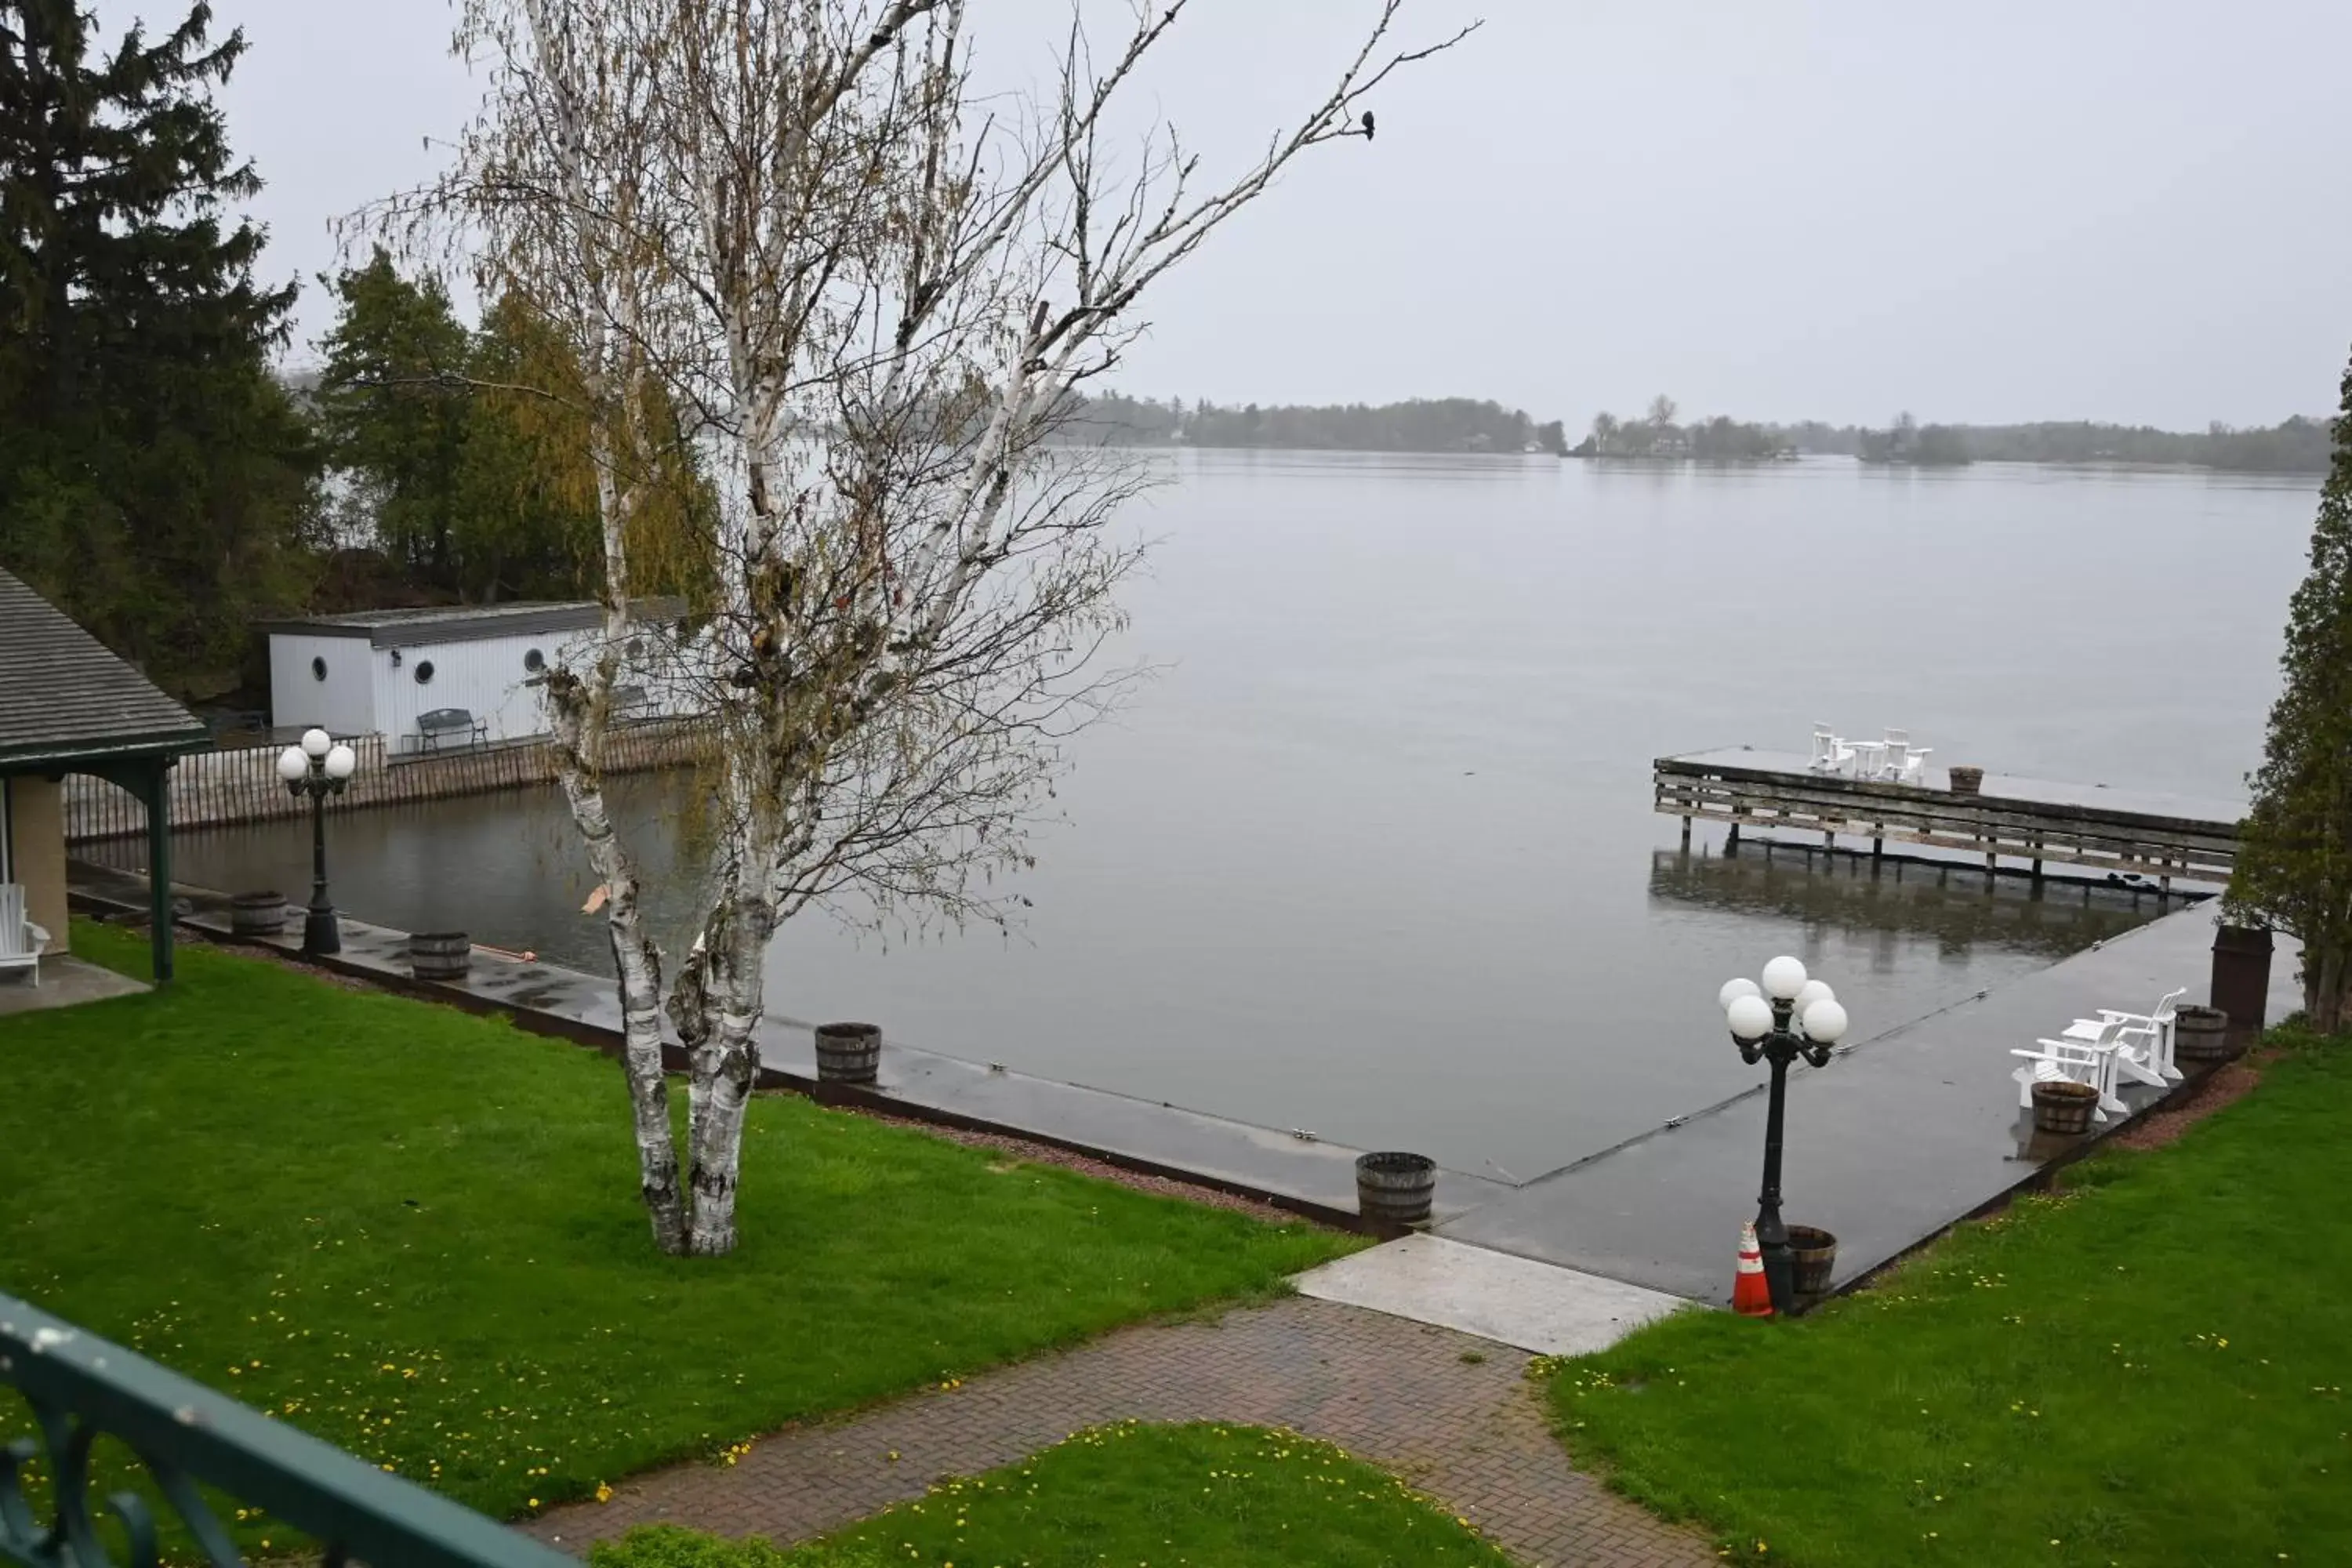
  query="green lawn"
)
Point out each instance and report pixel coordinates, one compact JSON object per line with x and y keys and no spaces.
{"x":2147,"y":1368}
{"x":416,"y":1233}
{"x":1223,"y":1497}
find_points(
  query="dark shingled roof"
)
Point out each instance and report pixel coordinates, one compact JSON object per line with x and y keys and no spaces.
{"x":63,"y":697}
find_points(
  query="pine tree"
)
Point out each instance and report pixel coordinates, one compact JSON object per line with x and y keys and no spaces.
{"x":2295,"y":854}
{"x":155,"y":479}
{"x":393,"y":405}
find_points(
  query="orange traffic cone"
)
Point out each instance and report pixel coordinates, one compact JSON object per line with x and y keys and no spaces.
{"x":1751,"y":1296}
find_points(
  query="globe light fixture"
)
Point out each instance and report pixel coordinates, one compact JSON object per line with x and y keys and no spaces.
{"x":1824,"y":1022}
{"x":1750,"y":1018}
{"x":319,"y":767}
{"x":1790,"y":1016}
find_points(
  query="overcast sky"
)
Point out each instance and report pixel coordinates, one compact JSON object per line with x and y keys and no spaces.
{"x":2113,"y":209}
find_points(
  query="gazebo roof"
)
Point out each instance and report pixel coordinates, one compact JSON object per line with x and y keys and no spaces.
{"x":64,"y":700}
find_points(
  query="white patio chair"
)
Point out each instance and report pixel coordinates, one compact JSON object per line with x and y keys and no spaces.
{"x":1898,"y":759}
{"x":21,"y":940}
{"x":2082,"y":1061}
{"x":1830,"y":754}
{"x":2146,"y":1037}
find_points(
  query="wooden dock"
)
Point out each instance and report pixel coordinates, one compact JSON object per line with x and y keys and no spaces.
{"x":2115,"y":832}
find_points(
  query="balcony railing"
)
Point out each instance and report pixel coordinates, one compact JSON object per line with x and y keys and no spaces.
{"x":82,"y":1388}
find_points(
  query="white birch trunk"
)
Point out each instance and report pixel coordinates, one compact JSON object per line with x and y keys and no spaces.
{"x":725,"y":1069}
{"x":638,"y":962}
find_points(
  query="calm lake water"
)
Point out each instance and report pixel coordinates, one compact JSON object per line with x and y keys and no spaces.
{"x":1375,"y":856}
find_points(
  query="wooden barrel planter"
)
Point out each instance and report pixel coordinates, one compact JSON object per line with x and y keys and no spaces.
{"x":2201,"y":1034}
{"x":1966,"y":780}
{"x":1815,"y":1254}
{"x":1395,"y":1188}
{"x":258,"y":915}
{"x":440,"y":955}
{"x":2064,"y":1106}
{"x":848,"y":1053}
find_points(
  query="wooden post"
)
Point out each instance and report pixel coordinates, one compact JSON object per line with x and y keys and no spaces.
{"x":1685,"y":832}
{"x":159,"y":869}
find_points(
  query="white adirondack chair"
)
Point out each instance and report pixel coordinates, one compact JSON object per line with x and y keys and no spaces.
{"x":1899,"y":760}
{"x":1830,"y":754}
{"x":2146,"y":1038}
{"x":2082,"y":1061}
{"x":20,"y":939}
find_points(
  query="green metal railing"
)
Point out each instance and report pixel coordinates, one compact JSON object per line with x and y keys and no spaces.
{"x":82,"y":1388}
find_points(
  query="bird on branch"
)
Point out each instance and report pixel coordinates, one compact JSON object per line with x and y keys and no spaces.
{"x":1368,"y":126}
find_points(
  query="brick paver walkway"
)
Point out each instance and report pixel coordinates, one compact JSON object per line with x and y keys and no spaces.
{"x":1391,"y":1391}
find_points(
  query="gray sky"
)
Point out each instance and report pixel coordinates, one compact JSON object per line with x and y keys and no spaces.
{"x":2114,"y":209}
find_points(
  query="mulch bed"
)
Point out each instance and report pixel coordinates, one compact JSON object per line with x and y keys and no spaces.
{"x":2224,"y":1086}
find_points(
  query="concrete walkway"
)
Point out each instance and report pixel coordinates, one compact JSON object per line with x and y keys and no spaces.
{"x":65,"y":981}
{"x":1453,"y":1415}
{"x":1535,"y":1307}
{"x":1304,"y":1173}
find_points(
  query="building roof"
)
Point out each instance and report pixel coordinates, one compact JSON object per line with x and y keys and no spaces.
{"x":65,"y":698}
{"x":463,"y":623}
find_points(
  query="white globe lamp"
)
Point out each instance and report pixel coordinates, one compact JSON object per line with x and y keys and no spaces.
{"x":341,"y":760}
{"x":1784,"y":978}
{"x":317,"y":742}
{"x":1735,"y":989}
{"x":1750,"y":1018}
{"x":1824,"y":1022}
{"x":292,"y":764}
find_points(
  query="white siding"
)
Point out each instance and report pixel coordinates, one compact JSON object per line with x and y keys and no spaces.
{"x":343,"y":702}
{"x":484,"y":675}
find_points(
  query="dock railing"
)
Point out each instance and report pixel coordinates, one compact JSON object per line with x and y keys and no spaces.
{"x":240,"y":784}
{"x":2122,"y":842}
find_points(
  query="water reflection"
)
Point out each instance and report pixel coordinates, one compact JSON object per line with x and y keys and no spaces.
{"x":1880,"y":906}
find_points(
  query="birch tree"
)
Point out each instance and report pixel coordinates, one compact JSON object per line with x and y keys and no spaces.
{"x":873,"y":289}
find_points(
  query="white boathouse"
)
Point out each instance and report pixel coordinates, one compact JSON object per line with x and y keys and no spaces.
{"x":430,"y":679}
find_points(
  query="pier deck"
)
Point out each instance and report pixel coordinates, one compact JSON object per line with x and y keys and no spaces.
{"x":2038,"y":821}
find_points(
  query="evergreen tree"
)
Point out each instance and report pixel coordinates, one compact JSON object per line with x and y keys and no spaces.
{"x":2294,"y":852}
{"x":393,"y":409}
{"x":155,"y":479}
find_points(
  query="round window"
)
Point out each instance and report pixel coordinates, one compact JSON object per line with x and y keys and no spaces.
{"x":317,"y":670}
{"x":423,"y":671}
{"x":534,"y":661}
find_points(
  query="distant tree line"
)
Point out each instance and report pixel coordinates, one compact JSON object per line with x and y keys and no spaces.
{"x":2295,"y":445}
{"x":1423,"y":425}
{"x":1656,"y":435}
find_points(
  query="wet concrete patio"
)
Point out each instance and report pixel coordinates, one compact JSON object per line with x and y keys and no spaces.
{"x":1906,"y":1133}
{"x":1304,"y":1174}
{"x":65,"y":982}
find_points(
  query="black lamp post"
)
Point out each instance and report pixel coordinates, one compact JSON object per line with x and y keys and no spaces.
{"x":1786,"y":1017}
{"x":319,"y":767}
